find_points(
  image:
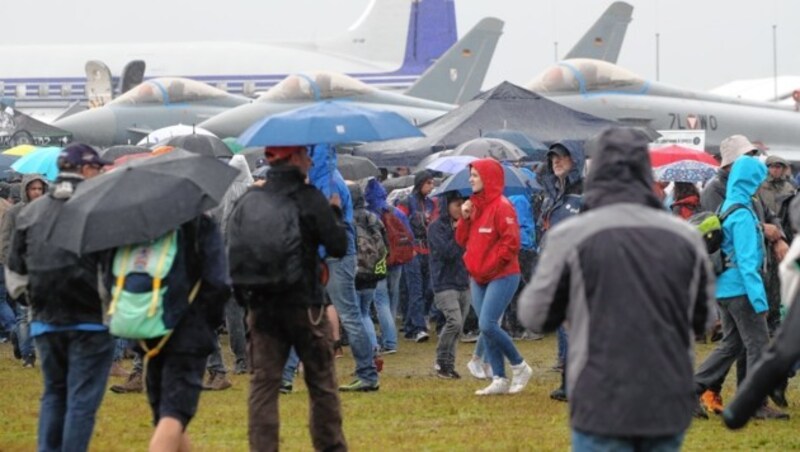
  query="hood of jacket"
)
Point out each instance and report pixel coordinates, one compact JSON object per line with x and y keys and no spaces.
{"x":576,"y":152}
{"x":324,"y":164}
{"x":491,"y":172}
{"x":239,"y":162}
{"x":375,"y":195}
{"x":746,"y":177}
{"x":444,"y":202}
{"x":621,"y":170}
{"x":357,"y":195}
{"x":27,"y":180}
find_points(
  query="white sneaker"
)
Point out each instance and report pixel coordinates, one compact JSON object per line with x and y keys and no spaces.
{"x":487,"y":370}
{"x":475,"y":367}
{"x":499,"y":386}
{"x":521,"y":374}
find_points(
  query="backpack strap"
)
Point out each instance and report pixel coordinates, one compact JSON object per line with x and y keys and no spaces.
{"x":724,"y":216}
{"x":120,"y":282}
{"x":152,"y":352}
{"x":157,"y":279}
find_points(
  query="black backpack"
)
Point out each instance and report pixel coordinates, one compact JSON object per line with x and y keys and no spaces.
{"x":264,"y":240}
{"x":371,"y":250}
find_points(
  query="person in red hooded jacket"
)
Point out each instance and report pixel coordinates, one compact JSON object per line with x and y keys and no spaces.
{"x":489,"y":232}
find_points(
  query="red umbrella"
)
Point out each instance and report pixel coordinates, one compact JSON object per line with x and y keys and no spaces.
{"x":674,"y":153}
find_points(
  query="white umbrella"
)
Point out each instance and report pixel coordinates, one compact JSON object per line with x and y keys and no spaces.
{"x":172,"y":131}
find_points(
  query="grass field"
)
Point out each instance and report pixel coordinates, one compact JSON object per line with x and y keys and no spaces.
{"x":413,"y":411}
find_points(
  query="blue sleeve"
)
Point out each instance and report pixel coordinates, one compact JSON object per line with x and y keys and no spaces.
{"x":748,"y":256}
{"x":527,"y":232}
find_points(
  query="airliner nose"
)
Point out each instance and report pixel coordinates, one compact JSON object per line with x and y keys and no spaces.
{"x":97,"y":126}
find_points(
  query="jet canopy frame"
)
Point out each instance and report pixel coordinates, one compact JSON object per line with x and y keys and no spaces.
{"x":585,"y":76}
{"x":168,"y":90}
{"x":315,"y":86}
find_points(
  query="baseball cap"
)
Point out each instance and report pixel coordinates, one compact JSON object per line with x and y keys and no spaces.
{"x":80,"y":154}
{"x":280,"y":152}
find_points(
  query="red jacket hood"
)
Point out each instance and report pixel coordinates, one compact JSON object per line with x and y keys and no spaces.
{"x":491,"y":172}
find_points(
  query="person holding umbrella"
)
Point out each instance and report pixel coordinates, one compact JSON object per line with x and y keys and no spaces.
{"x":63,"y":293}
{"x":489,"y":232}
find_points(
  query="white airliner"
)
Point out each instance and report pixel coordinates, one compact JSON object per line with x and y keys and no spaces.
{"x":390,"y":45}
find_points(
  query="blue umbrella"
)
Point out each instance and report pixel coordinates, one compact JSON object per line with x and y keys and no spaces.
{"x":451,"y":164}
{"x":329,"y":123}
{"x":536,"y":150}
{"x":515,"y":183}
{"x":42,"y":161}
{"x":686,"y":171}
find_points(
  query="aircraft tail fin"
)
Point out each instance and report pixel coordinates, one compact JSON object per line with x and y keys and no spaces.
{"x":604,"y":40}
{"x":458,"y":75}
{"x":412,"y":31}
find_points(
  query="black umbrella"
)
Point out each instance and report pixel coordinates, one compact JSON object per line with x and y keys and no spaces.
{"x":140,"y":201}
{"x":355,"y":168}
{"x":207,"y":145}
{"x":115,"y":152}
{"x":490,"y":148}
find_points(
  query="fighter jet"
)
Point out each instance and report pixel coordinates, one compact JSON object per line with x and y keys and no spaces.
{"x":606,"y":90}
{"x":154,"y":104}
{"x":456,"y":77}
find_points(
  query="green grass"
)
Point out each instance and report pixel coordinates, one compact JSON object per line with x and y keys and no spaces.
{"x":413,"y":411}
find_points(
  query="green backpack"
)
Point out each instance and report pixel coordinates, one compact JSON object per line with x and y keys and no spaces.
{"x":140,"y":315}
{"x":709,"y":224}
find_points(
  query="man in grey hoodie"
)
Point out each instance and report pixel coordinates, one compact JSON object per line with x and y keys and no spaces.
{"x":33,"y":186}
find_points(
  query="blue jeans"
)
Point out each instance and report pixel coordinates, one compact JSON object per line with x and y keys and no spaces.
{"x":75,"y":366}
{"x":418,"y":284}
{"x":290,"y":368}
{"x":342,"y":291}
{"x":587,"y":442}
{"x":24,"y":332}
{"x":387,"y":293}
{"x":490,"y":302}
{"x":365,"y":299}
{"x":234,"y":318}
{"x":561,"y":333}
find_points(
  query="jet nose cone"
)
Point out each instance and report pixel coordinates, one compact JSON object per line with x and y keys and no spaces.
{"x":97,"y":126}
{"x":234,"y":122}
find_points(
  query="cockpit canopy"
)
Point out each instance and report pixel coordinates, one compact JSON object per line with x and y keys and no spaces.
{"x":585,"y":76}
{"x":315,"y":86}
{"x":167,"y":90}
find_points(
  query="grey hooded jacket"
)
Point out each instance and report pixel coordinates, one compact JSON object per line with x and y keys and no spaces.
{"x":10,"y":218}
{"x":634,"y":284}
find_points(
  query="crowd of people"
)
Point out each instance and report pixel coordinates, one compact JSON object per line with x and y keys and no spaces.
{"x":608,"y":258}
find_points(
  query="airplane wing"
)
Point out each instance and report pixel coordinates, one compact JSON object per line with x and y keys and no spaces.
{"x":458,"y":75}
{"x":140,"y":131}
{"x":604,"y":40}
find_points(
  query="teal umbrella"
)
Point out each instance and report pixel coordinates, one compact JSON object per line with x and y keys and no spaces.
{"x":233,"y":145}
{"x":42,"y":161}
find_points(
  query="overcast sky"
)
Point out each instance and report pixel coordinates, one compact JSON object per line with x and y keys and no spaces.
{"x":703,"y":43}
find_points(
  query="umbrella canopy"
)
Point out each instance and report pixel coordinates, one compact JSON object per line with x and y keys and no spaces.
{"x":515,"y":183}
{"x":119,"y":161}
{"x":44,"y":161}
{"x":328,"y":123}
{"x":685,"y":171}
{"x":172,"y":131}
{"x":490,"y":148}
{"x":115,"y":152}
{"x":451,"y":164}
{"x":535,"y":150}
{"x":356,"y":168}
{"x":233,"y":145}
{"x":21,"y":150}
{"x":207,"y":145}
{"x":671,"y":154}
{"x":140,"y":201}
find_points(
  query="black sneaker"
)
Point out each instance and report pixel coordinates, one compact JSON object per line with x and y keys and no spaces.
{"x":359,"y":386}
{"x":699,"y":411}
{"x":28,"y":362}
{"x":448,"y":374}
{"x":766,"y":412}
{"x":559,"y":394}
{"x":286,"y":387}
